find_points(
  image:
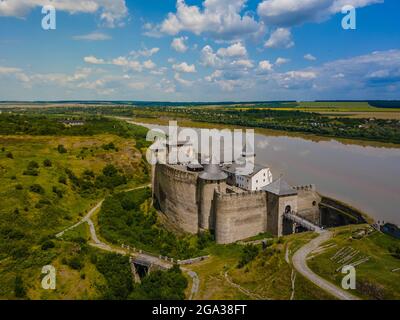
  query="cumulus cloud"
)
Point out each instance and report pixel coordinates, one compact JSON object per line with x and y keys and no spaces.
{"x":145,"y":52}
{"x":287,"y":13}
{"x":184,"y":67}
{"x":280,"y":38}
{"x":93,"y":60}
{"x":111,"y":13}
{"x":235,"y":50}
{"x":281,"y":61}
{"x":310,"y":57}
{"x":209,"y":58}
{"x":150,"y":65}
{"x":221,"y":18}
{"x":94,"y":36}
{"x":179,"y":45}
{"x":265,"y":66}
{"x":126,"y":63}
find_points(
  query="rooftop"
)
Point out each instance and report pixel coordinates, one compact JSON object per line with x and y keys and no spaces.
{"x":280,"y":187}
{"x":213,"y":172}
{"x":239,"y":169}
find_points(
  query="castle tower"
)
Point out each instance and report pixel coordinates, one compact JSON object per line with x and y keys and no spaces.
{"x":212,"y":179}
{"x":281,"y":199}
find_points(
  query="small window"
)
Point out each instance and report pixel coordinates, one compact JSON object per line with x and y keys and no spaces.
{"x":314,"y":203}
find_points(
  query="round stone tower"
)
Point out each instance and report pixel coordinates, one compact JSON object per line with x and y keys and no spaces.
{"x":210,"y":180}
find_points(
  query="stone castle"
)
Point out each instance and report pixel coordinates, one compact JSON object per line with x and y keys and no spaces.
{"x":210,"y":197}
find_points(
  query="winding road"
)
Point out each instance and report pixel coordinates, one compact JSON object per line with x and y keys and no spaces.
{"x":299,"y":261}
{"x":96,"y":242}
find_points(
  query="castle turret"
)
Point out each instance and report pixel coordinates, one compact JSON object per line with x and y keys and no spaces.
{"x":212,"y":179}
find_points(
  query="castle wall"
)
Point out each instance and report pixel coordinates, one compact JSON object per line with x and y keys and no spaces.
{"x":308,"y":204}
{"x":175,"y":193}
{"x":239,"y":216}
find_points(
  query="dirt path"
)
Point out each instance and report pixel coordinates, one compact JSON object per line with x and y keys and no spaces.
{"x":299,"y":261}
{"x":97,"y":243}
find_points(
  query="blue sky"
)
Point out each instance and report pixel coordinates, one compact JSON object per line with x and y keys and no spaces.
{"x":210,"y":50}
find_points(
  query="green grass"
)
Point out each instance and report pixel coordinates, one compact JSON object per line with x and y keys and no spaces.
{"x":375,"y":279}
{"x":28,"y":219}
{"x":268,"y":276}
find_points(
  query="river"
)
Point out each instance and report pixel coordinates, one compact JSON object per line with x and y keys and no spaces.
{"x":368,"y":178}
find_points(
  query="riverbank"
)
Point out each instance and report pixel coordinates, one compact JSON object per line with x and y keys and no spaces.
{"x":268,"y":132}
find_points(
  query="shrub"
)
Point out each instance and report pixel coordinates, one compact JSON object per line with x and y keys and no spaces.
{"x":47,"y":163}
{"x":109,"y":146}
{"x":61,"y":149}
{"x":58,"y":192}
{"x":33,"y":165}
{"x":249,"y":253}
{"x":32,"y":172}
{"x":9,"y":155}
{"x":36,"y":188}
{"x":75,"y":263}
{"x":31,"y":169}
{"x":19,"y":187}
{"x":62,"y":180}
{"x":48,"y":244}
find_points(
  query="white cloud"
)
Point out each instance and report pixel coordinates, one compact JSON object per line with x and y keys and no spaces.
{"x":184,"y":67}
{"x":265,"y":66}
{"x":111,"y":13}
{"x":215,"y":75}
{"x":8,"y":70}
{"x":281,"y":61}
{"x":235,"y":50}
{"x":150,"y":65}
{"x":310,"y":57}
{"x":243,"y":63}
{"x":94,"y":36}
{"x":93,"y":60}
{"x":287,"y":13}
{"x":209,"y":58}
{"x":145,"y":52}
{"x":220,"y":18}
{"x":280,"y":38}
{"x":127,"y":64}
{"x":179,"y":45}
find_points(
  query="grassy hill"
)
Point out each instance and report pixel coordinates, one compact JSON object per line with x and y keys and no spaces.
{"x":48,"y":182}
{"x":375,"y":278}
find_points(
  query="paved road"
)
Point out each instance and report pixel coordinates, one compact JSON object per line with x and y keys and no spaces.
{"x":299,"y":261}
{"x":97,"y":243}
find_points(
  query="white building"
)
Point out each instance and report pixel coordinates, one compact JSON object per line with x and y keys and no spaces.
{"x":254,"y":180}
{"x":247,"y":175}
